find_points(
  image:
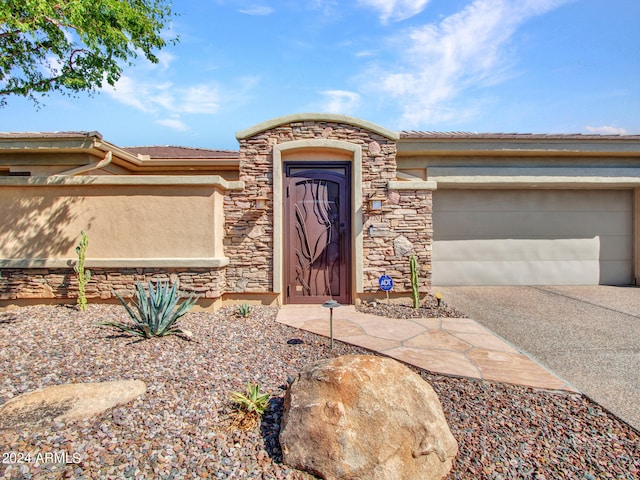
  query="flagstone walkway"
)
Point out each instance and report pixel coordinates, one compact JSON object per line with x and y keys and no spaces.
{"x":451,"y":346}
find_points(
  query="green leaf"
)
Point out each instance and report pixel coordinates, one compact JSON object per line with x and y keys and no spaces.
{"x":158,"y":310}
{"x":73,"y":46}
{"x":123,"y":327}
{"x":253,"y":401}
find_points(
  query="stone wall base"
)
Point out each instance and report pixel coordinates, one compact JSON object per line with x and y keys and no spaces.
{"x":62,"y":284}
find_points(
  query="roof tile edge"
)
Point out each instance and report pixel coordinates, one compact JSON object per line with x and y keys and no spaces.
{"x":414,"y":134}
{"x":316,"y":117}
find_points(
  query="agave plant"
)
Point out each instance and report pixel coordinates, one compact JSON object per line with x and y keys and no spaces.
{"x":157,"y":311}
{"x":244,"y":310}
{"x":249,"y":407}
{"x":253,"y":401}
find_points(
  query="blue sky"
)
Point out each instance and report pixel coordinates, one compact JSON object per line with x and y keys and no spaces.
{"x":541,"y":66}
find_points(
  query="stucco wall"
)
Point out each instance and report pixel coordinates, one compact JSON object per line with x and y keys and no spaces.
{"x":122,"y":222}
{"x":147,"y":227}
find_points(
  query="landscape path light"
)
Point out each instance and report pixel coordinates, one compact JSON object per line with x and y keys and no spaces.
{"x":331,"y":304}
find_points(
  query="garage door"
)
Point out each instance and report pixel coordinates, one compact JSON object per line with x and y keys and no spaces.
{"x":532,"y":237}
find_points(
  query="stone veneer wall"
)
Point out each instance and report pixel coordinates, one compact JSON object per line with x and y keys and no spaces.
{"x":61,"y":284}
{"x":401,"y":228}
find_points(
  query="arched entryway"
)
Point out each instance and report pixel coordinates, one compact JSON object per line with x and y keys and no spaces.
{"x":261,"y":242}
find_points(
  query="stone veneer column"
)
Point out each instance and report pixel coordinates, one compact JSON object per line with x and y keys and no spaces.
{"x":403,"y":226}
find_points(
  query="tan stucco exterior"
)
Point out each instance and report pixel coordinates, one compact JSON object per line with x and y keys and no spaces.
{"x":131,"y":221}
{"x":192,"y":215}
{"x":145,"y":218}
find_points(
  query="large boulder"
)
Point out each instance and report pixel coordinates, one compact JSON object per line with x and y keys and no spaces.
{"x":365,"y":417}
{"x":68,"y":402}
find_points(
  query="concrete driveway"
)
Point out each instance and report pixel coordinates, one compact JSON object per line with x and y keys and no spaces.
{"x":588,"y":335}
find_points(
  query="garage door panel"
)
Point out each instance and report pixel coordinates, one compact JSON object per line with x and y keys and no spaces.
{"x":517,"y":249}
{"x":565,"y":224}
{"x":456,"y":225}
{"x":580,"y":200}
{"x":616,"y":248}
{"x":547,"y":225}
{"x":532,"y":237}
{"x":611,"y":271}
{"x":533,"y":201}
{"x":519,"y":273}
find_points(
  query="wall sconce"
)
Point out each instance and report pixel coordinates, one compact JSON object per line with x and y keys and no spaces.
{"x":375,"y":203}
{"x":260,"y":202}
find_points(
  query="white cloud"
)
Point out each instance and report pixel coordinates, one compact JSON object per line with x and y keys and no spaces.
{"x":173,"y":123}
{"x":465,"y":50}
{"x":395,"y":10}
{"x":260,"y":10}
{"x":155,"y":97}
{"x":165,"y":59}
{"x":606,"y":130}
{"x":128,"y":92}
{"x":199,"y":99}
{"x":340,"y":101}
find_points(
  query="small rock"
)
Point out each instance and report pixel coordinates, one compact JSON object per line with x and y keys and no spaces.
{"x":69,"y":402}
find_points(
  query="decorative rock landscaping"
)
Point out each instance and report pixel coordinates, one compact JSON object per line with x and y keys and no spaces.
{"x":180,"y":427}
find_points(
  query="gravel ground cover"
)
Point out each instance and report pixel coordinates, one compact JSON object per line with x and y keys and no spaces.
{"x":429,"y":308}
{"x":180,"y":427}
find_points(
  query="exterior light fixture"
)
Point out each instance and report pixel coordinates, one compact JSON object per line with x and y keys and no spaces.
{"x":375,"y":203}
{"x":261,"y":202}
{"x":331,"y":304}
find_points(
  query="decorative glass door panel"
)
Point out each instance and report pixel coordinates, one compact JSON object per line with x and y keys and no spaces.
{"x":317,"y":233}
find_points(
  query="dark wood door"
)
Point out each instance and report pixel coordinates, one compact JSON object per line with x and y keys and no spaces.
{"x":317,"y":233}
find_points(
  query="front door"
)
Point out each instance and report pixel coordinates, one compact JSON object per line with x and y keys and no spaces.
{"x":317,"y":232}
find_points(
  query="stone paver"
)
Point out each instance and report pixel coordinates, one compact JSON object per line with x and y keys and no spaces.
{"x":437,"y":340}
{"x":391,"y":328}
{"x":487,"y":341}
{"x":372,"y":343}
{"x":451,"y":346}
{"x":440,"y":361}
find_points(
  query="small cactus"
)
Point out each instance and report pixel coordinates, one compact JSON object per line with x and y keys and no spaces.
{"x":83,"y":275}
{"x":413,"y":263}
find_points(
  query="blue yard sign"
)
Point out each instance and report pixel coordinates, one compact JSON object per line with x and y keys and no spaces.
{"x":386,"y":283}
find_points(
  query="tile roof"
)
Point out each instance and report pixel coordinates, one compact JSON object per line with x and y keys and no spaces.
{"x":167,"y":151}
{"x":413,"y":134}
{"x":71,"y":134}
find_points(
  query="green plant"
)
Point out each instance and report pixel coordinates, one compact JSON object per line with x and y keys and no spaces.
{"x":83,"y":275}
{"x":157,"y":311}
{"x":250,"y":406}
{"x":244,"y":310}
{"x":413,"y":262}
{"x":253,"y":401}
{"x":74,"y":46}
